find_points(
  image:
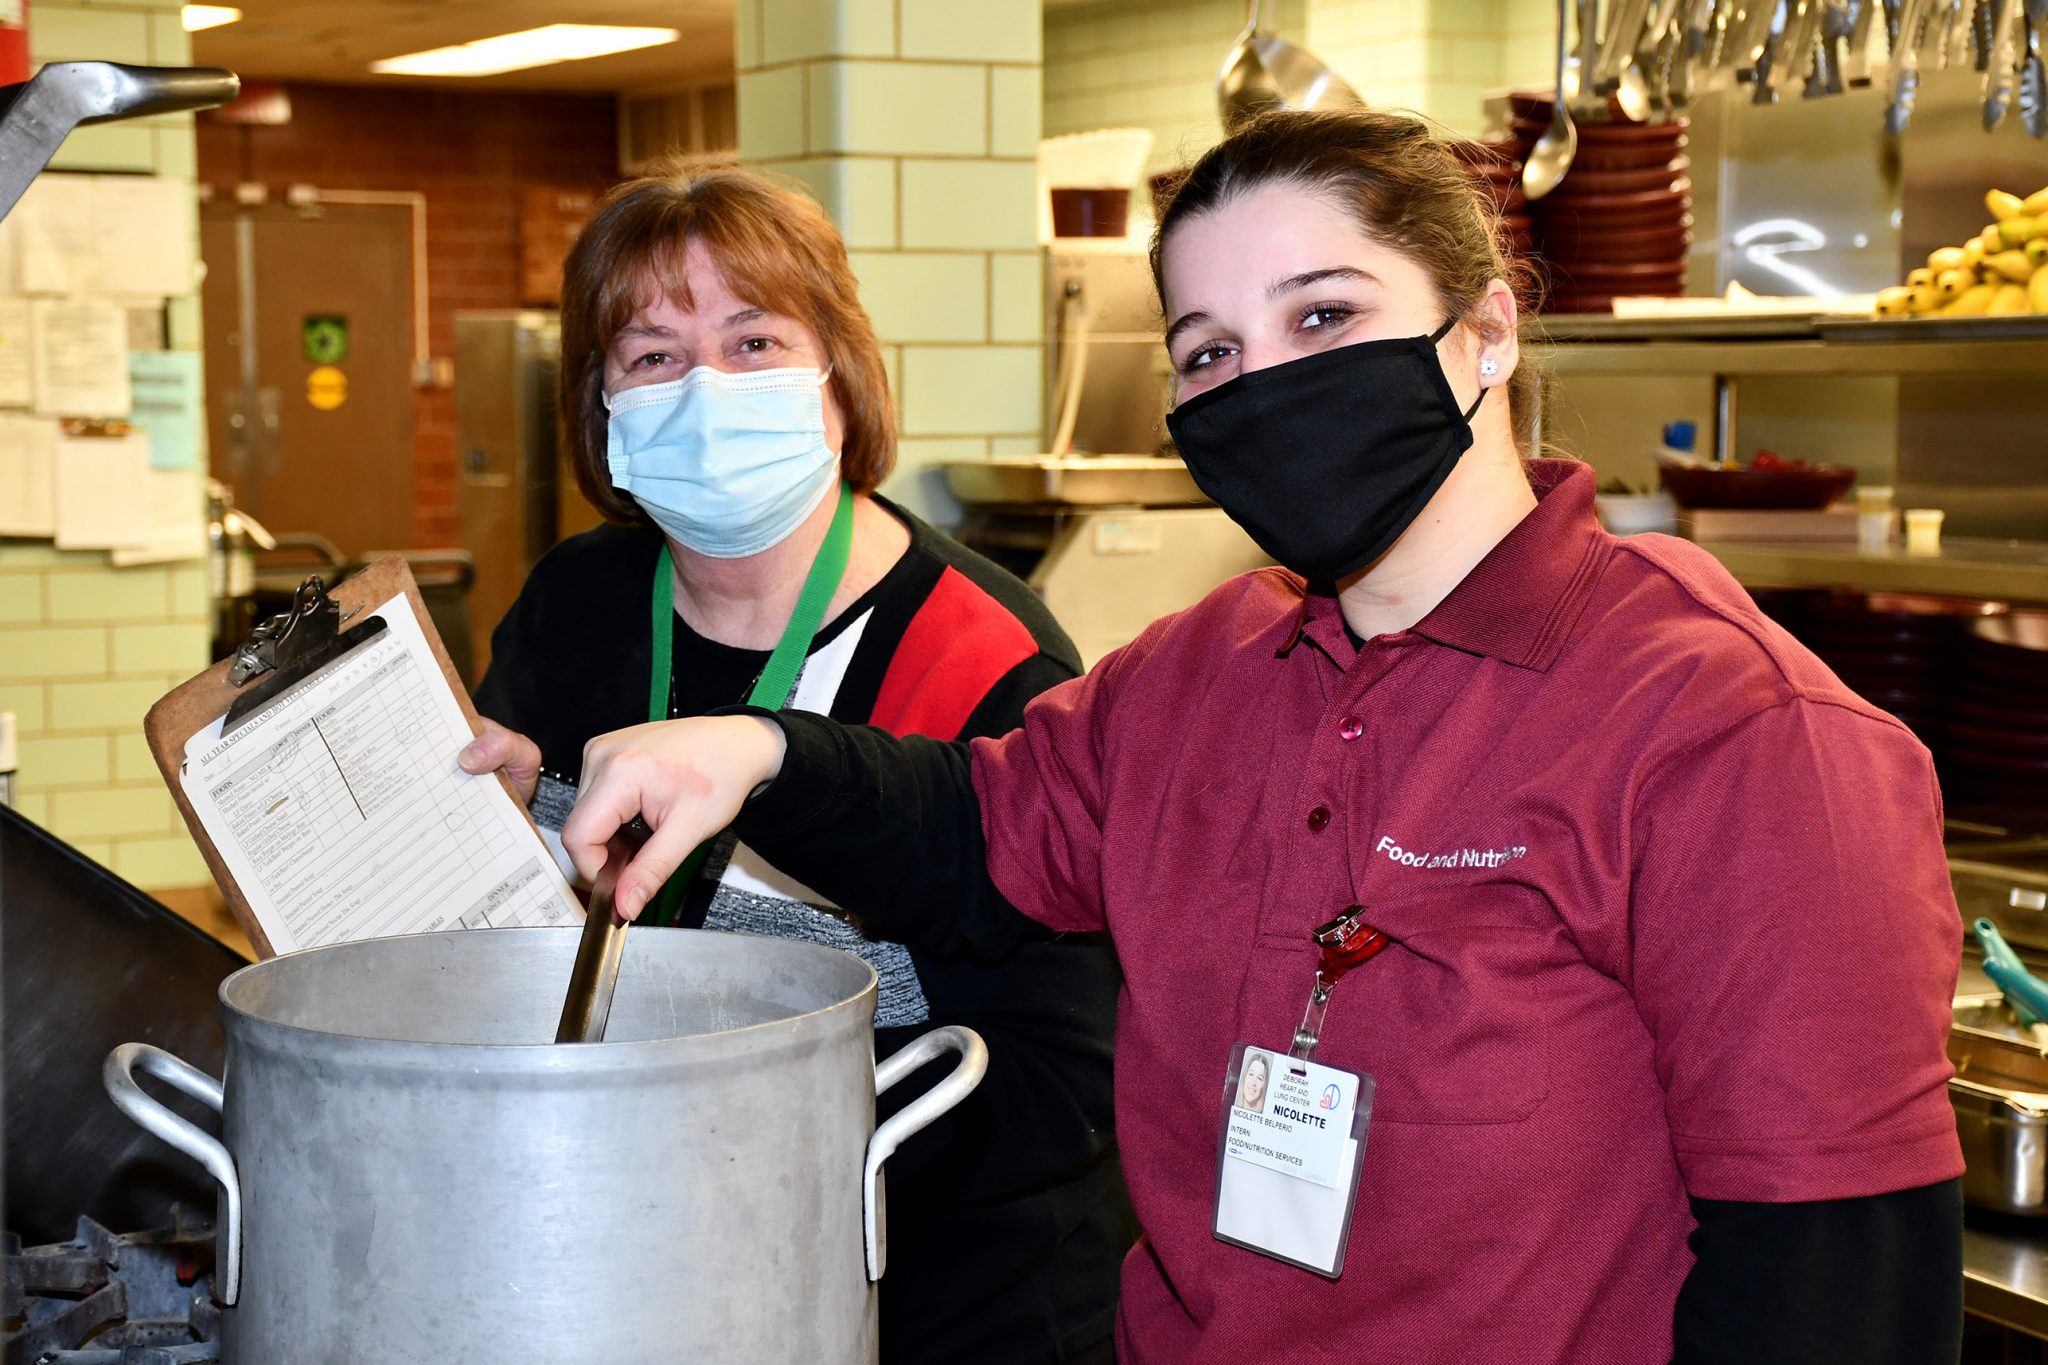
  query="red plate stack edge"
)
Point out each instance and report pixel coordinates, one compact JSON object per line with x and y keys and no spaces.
{"x":1620,"y":222}
{"x":1496,"y":171}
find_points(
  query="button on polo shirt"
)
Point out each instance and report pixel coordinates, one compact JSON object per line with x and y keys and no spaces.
{"x":1670,"y":917}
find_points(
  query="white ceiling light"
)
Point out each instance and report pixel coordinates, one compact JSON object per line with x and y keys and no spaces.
{"x":196,"y":17}
{"x":518,"y":51}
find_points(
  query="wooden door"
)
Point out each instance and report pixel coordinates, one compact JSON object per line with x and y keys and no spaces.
{"x":309,"y":345}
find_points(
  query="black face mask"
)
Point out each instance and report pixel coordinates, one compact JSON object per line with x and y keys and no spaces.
{"x":1326,"y":460}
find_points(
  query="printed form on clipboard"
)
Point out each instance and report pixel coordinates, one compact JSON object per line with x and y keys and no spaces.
{"x":341,"y":813}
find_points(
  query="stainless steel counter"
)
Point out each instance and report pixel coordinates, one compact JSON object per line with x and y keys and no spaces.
{"x":2005,"y":1274}
{"x":2014,"y":569}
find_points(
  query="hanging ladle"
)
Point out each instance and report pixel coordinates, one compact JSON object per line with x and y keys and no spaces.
{"x":1263,"y":71}
{"x":1552,"y":155}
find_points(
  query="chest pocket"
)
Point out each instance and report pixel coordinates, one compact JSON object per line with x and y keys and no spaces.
{"x":1450,"y":1020}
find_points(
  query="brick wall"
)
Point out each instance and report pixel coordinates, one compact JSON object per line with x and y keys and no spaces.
{"x":471,"y":155}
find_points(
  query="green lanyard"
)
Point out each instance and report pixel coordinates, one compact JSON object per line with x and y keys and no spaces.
{"x":777,"y":680}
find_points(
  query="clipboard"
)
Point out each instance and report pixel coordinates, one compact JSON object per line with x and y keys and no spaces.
{"x":322,"y":628}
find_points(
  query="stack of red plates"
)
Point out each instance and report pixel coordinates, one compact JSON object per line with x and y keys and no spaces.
{"x":1995,"y":741}
{"x":1620,"y":222}
{"x":1496,"y":171}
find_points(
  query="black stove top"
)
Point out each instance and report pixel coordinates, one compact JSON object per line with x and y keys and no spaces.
{"x":100,"y":1299}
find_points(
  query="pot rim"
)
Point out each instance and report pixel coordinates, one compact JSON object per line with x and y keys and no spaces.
{"x":607,"y":1055}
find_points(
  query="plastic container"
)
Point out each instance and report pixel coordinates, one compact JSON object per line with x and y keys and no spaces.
{"x":1876,"y":519}
{"x":1923,"y":530}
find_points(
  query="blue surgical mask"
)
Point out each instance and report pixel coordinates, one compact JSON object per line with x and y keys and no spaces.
{"x":727,"y":464}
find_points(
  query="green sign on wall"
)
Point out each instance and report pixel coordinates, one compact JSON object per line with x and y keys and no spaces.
{"x":323,"y":338}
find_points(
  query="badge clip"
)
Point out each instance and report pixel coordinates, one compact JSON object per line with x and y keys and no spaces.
{"x":1345,"y":942}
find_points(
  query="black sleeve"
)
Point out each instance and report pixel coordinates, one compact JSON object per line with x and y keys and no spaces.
{"x":502,"y":695}
{"x":1002,"y":709}
{"x":890,"y":825}
{"x":1877,"y":1280}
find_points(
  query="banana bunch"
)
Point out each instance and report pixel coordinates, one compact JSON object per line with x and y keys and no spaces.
{"x":1998,"y":273}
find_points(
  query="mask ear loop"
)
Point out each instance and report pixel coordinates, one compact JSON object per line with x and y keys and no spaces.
{"x":1437,"y":336}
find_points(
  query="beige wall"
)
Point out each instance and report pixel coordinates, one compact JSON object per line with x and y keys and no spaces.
{"x":86,"y":648}
{"x":1153,"y":63}
{"x":1148,"y":64}
{"x":916,"y":123}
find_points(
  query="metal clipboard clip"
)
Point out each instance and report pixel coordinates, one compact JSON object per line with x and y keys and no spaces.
{"x":292,"y":646}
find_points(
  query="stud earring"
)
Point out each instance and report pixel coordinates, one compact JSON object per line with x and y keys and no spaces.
{"x":1489,"y":367}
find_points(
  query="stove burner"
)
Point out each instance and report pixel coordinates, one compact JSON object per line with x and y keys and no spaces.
{"x":137,"y":1299}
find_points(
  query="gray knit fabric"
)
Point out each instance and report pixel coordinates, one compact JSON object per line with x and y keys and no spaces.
{"x":899,"y":997}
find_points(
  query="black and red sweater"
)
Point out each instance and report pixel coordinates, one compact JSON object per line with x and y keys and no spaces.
{"x":1007,"y":1219}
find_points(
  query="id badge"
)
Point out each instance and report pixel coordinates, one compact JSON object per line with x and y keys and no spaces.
{"x":1293,"y":1137}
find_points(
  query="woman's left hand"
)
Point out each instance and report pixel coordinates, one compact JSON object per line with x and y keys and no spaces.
{"x":498,"y":749}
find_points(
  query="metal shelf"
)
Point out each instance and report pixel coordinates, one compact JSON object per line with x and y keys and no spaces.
{"x":1790,"y":345}
{"x":2013,"y":569}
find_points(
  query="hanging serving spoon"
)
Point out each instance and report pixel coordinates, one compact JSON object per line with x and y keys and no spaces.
{"x":1856,"y":62}
{"x":1904,"y":68}
{"x":1552,"y":155}
{"x":2001,"y":70}
{"x":2033,"y":79}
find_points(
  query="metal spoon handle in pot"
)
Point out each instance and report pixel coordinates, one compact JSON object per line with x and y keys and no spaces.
{"x":595,"y":977}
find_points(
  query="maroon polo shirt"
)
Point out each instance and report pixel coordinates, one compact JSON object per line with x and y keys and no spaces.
{"x":1670,"y":917}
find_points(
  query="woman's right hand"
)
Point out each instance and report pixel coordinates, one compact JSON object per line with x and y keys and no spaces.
{"x":686,"y":778}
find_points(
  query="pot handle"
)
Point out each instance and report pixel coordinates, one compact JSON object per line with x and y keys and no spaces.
{"x":958,"y":1084}
{"x":118,"y":1074}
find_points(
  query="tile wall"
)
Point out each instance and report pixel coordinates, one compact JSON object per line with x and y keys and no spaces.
{"x":1149,"y":64}
{"x":85,"y":649}
{"x":916,"y":122}
{"x":1153,"y":63}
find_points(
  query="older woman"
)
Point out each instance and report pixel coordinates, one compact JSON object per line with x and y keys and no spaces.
{"x":725,"y":406}
{"x":1602,"y":939}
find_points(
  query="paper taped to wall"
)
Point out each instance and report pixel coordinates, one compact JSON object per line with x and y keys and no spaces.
{"x":28,"y":475}
{"x":80,"y":358}
{"x":102,"y":492}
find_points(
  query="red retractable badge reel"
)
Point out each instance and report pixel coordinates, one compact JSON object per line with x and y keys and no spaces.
{"x":1344,"y":944}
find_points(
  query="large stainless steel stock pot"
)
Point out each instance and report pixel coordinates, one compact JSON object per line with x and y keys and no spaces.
{"x":413,"y":1171}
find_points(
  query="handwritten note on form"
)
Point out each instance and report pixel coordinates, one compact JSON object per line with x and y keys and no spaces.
{"x":342,"y":815}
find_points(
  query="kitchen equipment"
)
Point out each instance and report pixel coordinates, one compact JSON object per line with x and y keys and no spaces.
{"x":1075,"y":481}
{"x":2002,"y":57}
{"x":2033,"y":94}
{"x":1087,"y":179}
{"x":1552,"y":155}
{"x":89,"y":1299}
{"x":2022,"y":991}
{"x":516,"y":494}
{"x":594,"y":977}
{"x":40,"y":113}
{"x":86,"y":962}
{"x":1262,"y":71}
{"x":412,"y":1171}
{"x":2000,"y":1095}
